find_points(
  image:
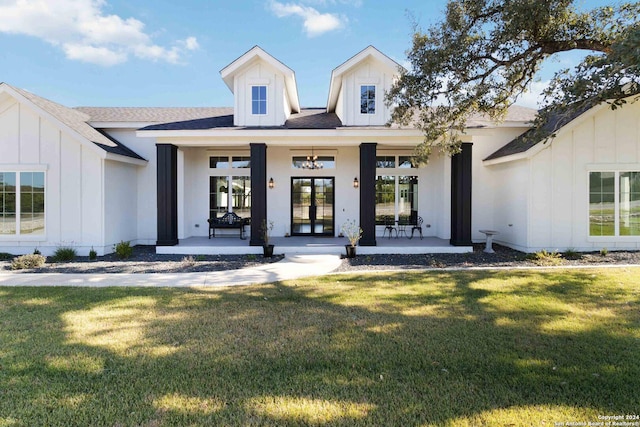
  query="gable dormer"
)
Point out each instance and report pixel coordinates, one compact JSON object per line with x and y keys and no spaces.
{"x":264,"y":89}
{"x":358,"y":87}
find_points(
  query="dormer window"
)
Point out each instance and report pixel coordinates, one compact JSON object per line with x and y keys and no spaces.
{"x":367,"y":99}
{"x":259,"y":100}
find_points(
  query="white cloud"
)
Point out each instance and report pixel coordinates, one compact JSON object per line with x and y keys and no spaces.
{"x":191,"y":43}
{"x":315,"y":23}
{"x":532,"y":98}
{"x":85,"y":33}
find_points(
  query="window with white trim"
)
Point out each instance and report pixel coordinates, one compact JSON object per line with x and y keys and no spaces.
{"x":367,"y":99}
{"x":614,"y":203}
{"x":259,"y":100}
{"x":22,"y":207}
{"x":230,"y":186}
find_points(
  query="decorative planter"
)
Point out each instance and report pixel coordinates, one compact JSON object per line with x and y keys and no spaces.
{"x":267,"y":251}
{"x":351,"y":251}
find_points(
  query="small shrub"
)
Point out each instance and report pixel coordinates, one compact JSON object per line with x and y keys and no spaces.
{"x":188,"y":261}
{"x":4,"y":256}
{"x":201,"y":258}
{"x":572,"y":254}
{"x":93,"y":254}
{"x":64,"y":254}
{"x":123,"y":249}
{"x":604,"y":251}
{"x":28,"y":261}
{"x":251,"y":257}
{"x":36,"y":251}
{"x":546,"y":258}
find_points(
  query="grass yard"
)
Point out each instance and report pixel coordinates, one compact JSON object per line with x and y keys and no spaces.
{"x":453,"y":348}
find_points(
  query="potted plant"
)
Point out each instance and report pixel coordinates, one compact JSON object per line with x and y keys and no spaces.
{"x":353,"y":233}
{"x":267,"y":249}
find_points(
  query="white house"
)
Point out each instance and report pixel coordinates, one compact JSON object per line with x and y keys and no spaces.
{"x":91,"y":176}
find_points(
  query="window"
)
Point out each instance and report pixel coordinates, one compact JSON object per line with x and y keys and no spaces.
{"x":407,"y":199}
{"x":385,"y":199}
{"x":303,"y":162}
{"x":405,"y":162}
{"x":614,"y":203}
{"x":229,"y":185}
{"x":258,"y":99}
{"x":241,"y":162}
{"x":217,"y":162}
{"x":22,"y":203}
{"x":225,"y":162}
{"x":385,"y":161}
{"x":237,"y":200}
{"x":367,"y":99}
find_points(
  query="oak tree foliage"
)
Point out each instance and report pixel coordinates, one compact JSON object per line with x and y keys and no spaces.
{"x":485,"y":53}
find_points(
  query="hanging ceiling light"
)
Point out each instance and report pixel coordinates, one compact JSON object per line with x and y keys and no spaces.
{"x":312,"y":162}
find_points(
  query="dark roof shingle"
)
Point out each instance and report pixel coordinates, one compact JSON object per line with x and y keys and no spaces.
{"x":529,"y":139}
{"x":77,"y":121}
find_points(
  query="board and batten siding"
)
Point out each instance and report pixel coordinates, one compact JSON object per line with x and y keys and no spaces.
{"x":554,"y":199}
{"x":73,"y":181}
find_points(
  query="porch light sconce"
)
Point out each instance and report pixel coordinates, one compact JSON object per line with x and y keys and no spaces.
{"x":271,"y":183}
{"x":356,"y":183}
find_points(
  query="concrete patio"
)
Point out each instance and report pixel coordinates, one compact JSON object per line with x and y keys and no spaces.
{"x":311,"y":245}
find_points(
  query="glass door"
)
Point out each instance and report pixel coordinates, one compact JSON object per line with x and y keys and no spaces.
{"x":312,"y":206}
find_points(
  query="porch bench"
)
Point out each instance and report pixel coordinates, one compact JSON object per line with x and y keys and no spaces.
{"x":227,"y":221}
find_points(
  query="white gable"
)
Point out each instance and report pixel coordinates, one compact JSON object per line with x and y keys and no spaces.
{"x":368,"y":69}
{"x":256,"y":68}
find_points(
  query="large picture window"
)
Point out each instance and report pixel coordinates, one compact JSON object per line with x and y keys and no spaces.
{"x":22,"y":206}
{"x":614,"y":203}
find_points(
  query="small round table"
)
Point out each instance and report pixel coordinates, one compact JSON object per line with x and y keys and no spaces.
{"x":489,"y":246}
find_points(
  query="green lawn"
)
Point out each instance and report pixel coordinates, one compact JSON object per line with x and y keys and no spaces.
{"x":402,"y":349}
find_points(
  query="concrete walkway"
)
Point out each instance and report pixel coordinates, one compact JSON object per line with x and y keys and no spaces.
{"x":291,"y":267}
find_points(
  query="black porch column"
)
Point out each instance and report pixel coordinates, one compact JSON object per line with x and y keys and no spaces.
{"x":368,"y":193}
{"x":167,"y":176}
{"x":461,"y":197}
{"x":258,"y":192}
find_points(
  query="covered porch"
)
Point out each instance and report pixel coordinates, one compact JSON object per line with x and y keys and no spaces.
{"x":311,"y":245}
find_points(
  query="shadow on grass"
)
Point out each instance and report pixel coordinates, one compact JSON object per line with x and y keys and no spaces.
{"x":389,"y":349}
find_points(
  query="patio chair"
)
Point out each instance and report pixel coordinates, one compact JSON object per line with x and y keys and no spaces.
{"x":389,"y":225}
{"x":417,"y":226}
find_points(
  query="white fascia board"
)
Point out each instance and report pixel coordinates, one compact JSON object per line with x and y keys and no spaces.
{"x":121,"y":125}
{"x":283,"y":133}
{"x":507,"y":159}
{"x":126,"y":159}
{"x":541,"y":145}
{"x":519,"y":156}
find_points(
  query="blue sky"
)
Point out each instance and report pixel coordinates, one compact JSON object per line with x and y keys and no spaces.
{"x":169,"y":53}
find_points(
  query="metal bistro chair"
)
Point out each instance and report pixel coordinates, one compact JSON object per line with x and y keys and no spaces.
{"x":389,"y":225}
{"x":417,"y":226}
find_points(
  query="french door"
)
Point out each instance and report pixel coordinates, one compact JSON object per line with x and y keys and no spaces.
{"x":312,"y":206}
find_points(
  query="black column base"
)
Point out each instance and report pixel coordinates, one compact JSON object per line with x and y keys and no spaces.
{"x":171,"y":242}
{"x":460,"y":242}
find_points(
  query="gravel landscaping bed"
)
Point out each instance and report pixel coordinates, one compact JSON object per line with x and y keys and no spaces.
{"x":145,"y":260}
{"x":503,"y":257}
